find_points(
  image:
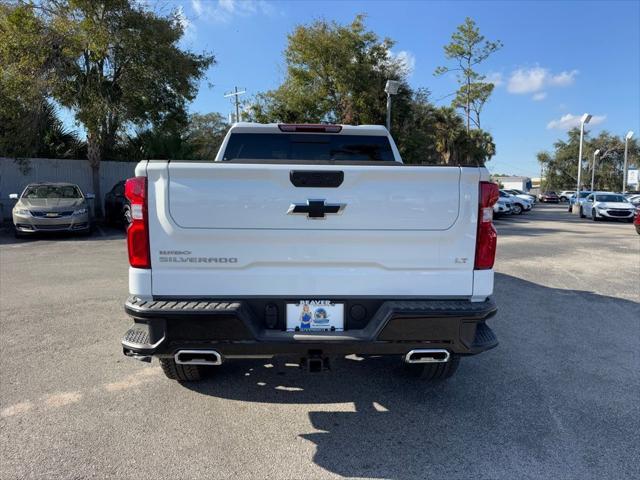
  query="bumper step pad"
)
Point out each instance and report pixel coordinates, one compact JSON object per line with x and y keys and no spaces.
{"x":136,"y":336}
{"x":485,"y":338}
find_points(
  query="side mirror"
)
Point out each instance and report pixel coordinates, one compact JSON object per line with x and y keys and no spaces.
{"x":13,"y":196}
{"x":89,"y":196}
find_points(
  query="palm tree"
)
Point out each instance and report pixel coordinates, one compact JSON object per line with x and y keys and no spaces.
{"x":448,"y":129}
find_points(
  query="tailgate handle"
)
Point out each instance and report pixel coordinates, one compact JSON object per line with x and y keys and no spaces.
{"x":317,"y":178}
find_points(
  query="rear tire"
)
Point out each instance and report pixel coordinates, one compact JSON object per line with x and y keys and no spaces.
{"x":433,"y":371}
{"x":181,"y":373}
{"x":125,"y":216}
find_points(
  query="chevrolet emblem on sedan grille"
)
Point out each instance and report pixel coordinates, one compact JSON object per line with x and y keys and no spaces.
{"x":316,"y":209}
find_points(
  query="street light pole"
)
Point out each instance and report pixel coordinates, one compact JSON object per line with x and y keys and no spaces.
{"x":388,"y":111}
{"x":391,"y":88}
{"x":593,"y":168}
{"x":624,"y":169}
{"x":585,"y":119}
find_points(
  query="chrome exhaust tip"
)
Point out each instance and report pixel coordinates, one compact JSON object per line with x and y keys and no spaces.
{"x":427,"y":355}
{"x":198,"y":357}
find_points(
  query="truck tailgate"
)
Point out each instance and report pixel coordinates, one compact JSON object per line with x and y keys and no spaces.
{"x":258,"y":196}
{"x":225,"y":230}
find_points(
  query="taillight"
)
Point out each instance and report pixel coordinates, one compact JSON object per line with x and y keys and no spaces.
{"x":309,"y":127}
{"x":487,"y":237}
{"x":135,"y":190}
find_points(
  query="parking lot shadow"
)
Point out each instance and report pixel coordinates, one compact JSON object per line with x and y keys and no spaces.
{"x":553,"y":400}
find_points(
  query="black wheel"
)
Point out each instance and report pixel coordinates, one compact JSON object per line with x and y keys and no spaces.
{"x":582,"y":215}
{"x":181,"y":373}
{"x":126,"y":216}
{"x":18,"y":234}
{"x":433,"y":371}
{"x":517,"y":209}
{"x":594,"y":217}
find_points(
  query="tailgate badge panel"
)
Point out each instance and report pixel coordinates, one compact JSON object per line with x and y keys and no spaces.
{"x":316,"y":209}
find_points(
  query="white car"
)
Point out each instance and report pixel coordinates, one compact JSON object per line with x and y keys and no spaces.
{"x":583,"y":196}
{"x":634,"y":199}
{"x":311,"y":242}
{"x":525,"y":196}
{"x":601,"y":205}
{"x":502,"y":207}
{"x":566,"y":194}
{"x":518,"y":205}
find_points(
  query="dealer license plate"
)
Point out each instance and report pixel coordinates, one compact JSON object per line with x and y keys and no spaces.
{"x":315,"y":316}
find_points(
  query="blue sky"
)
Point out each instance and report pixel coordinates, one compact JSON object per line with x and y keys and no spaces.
{"x":560,"y":59}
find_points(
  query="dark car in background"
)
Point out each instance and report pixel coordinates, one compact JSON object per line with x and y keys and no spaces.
{"x":549,"y":197}
{"x":116,"y":206}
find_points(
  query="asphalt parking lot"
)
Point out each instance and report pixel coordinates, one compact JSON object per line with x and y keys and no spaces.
{"x":558,"y":398}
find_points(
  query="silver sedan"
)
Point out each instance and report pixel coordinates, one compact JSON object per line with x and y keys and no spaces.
{"x":51,"y":207}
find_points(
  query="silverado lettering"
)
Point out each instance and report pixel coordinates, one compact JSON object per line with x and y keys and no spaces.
{"x":165,"y":259}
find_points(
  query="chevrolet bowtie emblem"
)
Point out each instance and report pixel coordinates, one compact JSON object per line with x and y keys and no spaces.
{"x":316,"y":209}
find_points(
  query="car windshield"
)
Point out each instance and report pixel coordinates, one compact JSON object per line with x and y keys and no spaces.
{"x":611,"y":198}
{"x":310,"y":147}
{"x":584,"y":194}
{"x":52,"y":191}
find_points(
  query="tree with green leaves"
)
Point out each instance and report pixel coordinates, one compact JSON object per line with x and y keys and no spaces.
{"x":33,"y":129}
{"x":468,"y":49}
{"x":198,"y":137}
{"x":335,"y":73}
{"x":113,"y":63}
{"x":205,"y":134}
{"x":561,"y":166}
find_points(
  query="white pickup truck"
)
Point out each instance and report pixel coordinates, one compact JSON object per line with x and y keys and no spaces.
{"x":311,"y":241}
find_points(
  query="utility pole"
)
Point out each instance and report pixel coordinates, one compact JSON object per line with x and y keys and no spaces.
{"x":236,"y":100}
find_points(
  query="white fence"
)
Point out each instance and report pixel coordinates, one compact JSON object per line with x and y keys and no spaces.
{"x":15,"y":176}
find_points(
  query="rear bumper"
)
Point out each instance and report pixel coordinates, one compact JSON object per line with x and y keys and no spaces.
{"x":235,"y":328}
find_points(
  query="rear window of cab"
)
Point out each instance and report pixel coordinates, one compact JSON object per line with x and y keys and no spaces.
{"x":307,"y":147}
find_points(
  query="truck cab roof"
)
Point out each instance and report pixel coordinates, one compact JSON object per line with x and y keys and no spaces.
{"x":342,"y":129}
